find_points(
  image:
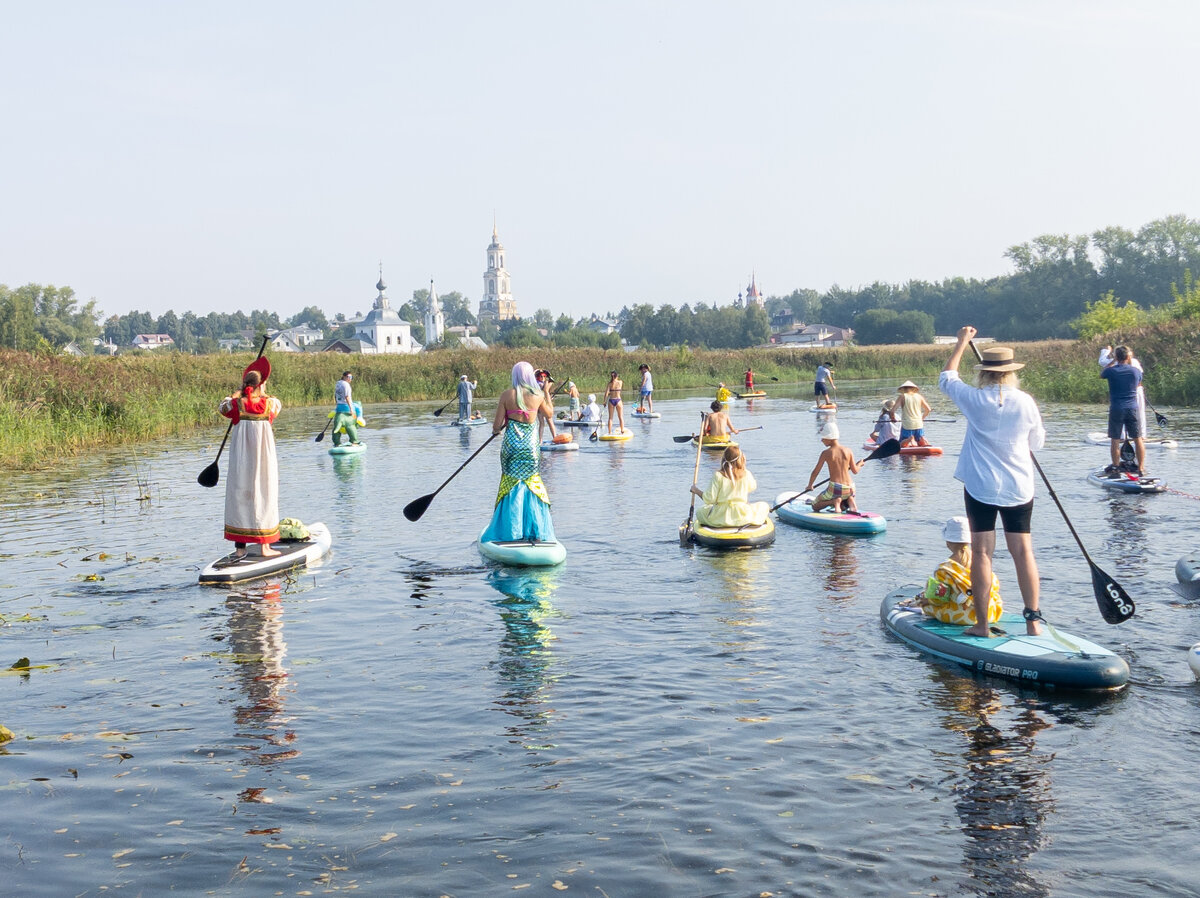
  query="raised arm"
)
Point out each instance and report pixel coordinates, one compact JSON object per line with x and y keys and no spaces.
{"x":966,"y":334}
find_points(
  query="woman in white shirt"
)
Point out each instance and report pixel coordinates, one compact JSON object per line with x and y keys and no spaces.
{"x":996,"y":468}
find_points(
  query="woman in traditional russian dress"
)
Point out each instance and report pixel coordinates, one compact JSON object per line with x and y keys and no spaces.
{"x":252,"y":485}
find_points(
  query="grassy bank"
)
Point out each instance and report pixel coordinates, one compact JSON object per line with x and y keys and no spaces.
{"x":54,"y":406}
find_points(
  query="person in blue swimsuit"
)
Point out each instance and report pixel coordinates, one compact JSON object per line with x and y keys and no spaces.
{"x":522,"y":509}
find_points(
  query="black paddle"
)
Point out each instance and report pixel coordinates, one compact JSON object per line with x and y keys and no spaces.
{"x":692,"y":436}
{"x":685,"y":529}
{"x":414,"y":509}
{"x":321,"y":435}
{"x":887,"y":450}
{"x":438,"y":413}
{"x":1114,"y":603}
{"x":210,"y":475}
{"x":1161,"y":419}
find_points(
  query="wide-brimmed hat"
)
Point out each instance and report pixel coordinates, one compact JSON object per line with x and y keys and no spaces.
{"x":998,"y":358}
{"x":907,"y":384}
{"x":829,"y":431}
{"x":262,"y":365}
{"x":957,"y":530}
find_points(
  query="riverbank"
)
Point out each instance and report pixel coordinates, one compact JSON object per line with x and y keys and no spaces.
{"x":56,"y":406}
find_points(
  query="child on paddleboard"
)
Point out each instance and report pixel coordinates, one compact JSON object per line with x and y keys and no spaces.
{"x":840,"y":461}
{"x":948,"y":595}
{"x":725,"y":502}
{"x":717,"y":423}
{"x":885,"y":428}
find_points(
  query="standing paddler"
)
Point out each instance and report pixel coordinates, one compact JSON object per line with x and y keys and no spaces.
{"x":345,"y":418}
{"x":252,"y":485}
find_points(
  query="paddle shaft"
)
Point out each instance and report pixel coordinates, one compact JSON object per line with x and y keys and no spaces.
{"x":210,"y":475}
{"x":1114,"y":603}
{"x":414,"y":509}
{"x":685,"y":532}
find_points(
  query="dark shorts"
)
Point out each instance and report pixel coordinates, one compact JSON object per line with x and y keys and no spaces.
{"x":1124,"y":419}
{"x":819,"y":389}
{"x":1015,"y":518}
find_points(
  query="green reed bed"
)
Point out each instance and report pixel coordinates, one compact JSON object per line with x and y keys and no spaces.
{"x":55,"y":406}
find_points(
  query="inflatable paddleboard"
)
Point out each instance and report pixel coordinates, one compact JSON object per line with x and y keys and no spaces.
{"x":293,"y":554}
{"x":908,"y":450}
{"x":548,"y":446}
{"x":1126,"y":483}
{"x":753,"y":394}
{"x":1062,"y":662}
{"x":800,"y":514}
{"x":1187,"y":572}
{"x":592,"y":424}
{"x":470,"y":422}
{"x":1194,"y":659}
{"x":647,"y":414}
{"x":618,"y":437}
{"x":348,"y":449}
{"x":524,"y":552}
{"x":1100,"y":438}
{"x":823,"y":408}
{"x":750,"y":536}
{"x":716,"y":444}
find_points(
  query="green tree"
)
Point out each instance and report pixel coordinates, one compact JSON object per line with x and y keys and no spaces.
{"x":312,"y":316}
{"x":1104,"y":316}
{"x":17,"y":322}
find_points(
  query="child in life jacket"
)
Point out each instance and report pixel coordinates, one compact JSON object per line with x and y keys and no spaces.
{"x":947,"y":595}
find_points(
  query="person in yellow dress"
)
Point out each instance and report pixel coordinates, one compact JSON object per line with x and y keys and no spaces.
{"x":948,"y":595}
{"x":725,"y":500}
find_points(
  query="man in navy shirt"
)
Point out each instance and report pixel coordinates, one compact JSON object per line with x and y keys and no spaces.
{"x":1123,"y":380}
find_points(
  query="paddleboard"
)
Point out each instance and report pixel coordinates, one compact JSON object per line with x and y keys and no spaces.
{"x":348,"y":449}
{"x":1101,"y":439}
{"x":647,"y":414}
{"x":908,"y":450}
{"x":231,"y":569}
{"x":1194,"y":659}
{"x":750,"y":536}
{"x":577,"y":424}
{"x":1187,"y":572}
{"x":560,"y":447}
{"x":470,"y":422}
{"x":800,"y":514}
{"x":524,"y":552}
{"x":1065,"y":662}
{"x":716,"y":444}
{"x":1125,"y":483}
{"x":753,"y":394}
{"x":617,"y":437}
{"x":824,"y":408}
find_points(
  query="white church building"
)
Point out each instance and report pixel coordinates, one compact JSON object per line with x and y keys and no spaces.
{"x":497,"y":303}
{"x":435,"y":321}
{"x":382,"y":330}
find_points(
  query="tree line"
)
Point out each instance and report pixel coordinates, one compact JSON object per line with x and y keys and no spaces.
{"x":1061,"y":286}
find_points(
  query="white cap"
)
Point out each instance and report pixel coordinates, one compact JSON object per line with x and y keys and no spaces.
{"x":957,"y":530}
{"x":591,"y":397}
{"x":829,"y":431}
{"x":462,"y":377}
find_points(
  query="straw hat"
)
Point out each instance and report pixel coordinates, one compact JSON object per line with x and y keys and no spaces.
{"x":957,"y":530}
{"x":829,"y":431}
{"x":998,"y":358}
{"x":907,"y":384}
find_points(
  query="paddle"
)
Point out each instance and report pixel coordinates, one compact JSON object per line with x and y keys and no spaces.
{"x":1114,"y":603}
{"x":438,"y":413}
{"x":210,"y":475}
{"x":414,"y":509}
{"x":691,"y":436}
{"x":685,"y":529}
{"x":887,"y":450}
{"x":1161,"y":419}
{"x":321,"y":435}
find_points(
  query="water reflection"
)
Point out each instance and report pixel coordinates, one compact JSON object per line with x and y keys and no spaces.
{"x":742,"y":582}
{"x":1000,"y":786}
{"x":841,"y":572}
{"x":1127,"y":523}
{"x":347,"y":468}
{"x":257,"y":650}
{"x":525,"y":663}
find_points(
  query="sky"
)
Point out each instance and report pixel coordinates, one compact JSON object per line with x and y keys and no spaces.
{"x":220,"y":156}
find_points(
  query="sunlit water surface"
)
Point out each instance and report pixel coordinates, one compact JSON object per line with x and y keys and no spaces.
{"x":404,"y":719}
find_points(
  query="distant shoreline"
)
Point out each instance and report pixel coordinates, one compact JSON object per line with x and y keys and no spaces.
{"x":56,"y":406}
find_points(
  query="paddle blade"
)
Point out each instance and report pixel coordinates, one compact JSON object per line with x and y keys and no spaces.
{"x":439,"y":411}
{"x":319,"y":437}
{"x":1115,"y":604}
{"x":210,"y":475}
{"x":595,"y":437}
{"x":686,"y":439}
{"x":887,"y":450}
{"x":685,"y":533}
{"x":414,"y":509}
{"x":1161,"y":419}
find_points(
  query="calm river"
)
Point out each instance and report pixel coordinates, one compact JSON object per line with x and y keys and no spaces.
{"x":404,"y":720}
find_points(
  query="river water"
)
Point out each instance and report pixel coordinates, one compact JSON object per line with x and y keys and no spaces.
{"x":406,"y":720}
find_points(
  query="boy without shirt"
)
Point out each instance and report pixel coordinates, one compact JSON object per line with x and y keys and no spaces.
{"x":840,"y":461}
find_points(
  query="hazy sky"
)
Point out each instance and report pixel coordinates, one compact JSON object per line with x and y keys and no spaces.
{"x":220,"y":156}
